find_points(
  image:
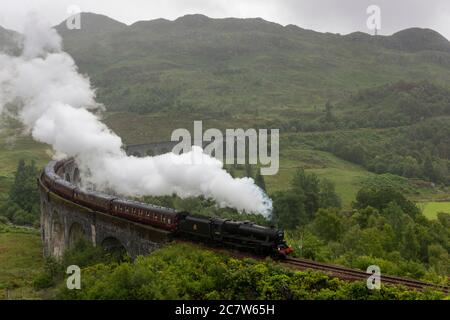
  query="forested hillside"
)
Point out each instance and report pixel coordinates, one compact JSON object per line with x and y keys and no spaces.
{"x":243,"y":65}
{"x":365,"y":141}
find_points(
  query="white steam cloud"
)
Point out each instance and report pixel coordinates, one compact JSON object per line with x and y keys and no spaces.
{"x":54,"y":102}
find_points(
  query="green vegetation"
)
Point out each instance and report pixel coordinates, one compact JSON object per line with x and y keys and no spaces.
{"x":394,"y":105}
{"x":360,"y":142}
{"x":220,"y":67}
{"x":185,"y":272}
{"x":431,"y":209}
{"x":20,"y":261}
{"x":384,"y":229}
{"x":22,"y":205}
{"x":418,"y":151}
{"x":14,"y":147}
{"x":82,"y":254}
{"x":298,"y":205}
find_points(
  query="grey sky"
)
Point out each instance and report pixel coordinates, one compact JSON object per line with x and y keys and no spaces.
{"x":338,"y":16}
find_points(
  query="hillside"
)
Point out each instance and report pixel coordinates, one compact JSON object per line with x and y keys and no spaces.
{"x":8,"y":40}
{"x":395,"y":104}
{"x":254,"y":73}
{"x":162,"y":75}
{"x":417,"y":39}
{"x":196,"y":63}
{"x":365,"y":135}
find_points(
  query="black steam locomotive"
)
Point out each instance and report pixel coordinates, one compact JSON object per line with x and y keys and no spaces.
{"x":242,"y":235}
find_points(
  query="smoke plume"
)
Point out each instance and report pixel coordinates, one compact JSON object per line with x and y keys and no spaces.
{"x":56,"y":103}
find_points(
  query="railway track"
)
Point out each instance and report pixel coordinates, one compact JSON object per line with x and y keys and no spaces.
{"x":358,"y":275}
{"x":166,"y":218}
{"x":340,"y":272}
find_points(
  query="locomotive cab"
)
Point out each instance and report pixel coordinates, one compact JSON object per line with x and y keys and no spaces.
{"x":283,"y":250}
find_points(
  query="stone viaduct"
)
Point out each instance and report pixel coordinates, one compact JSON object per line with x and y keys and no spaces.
{"x":64,"y":222}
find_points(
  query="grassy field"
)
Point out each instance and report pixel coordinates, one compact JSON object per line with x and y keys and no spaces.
{"x":347,"y":177}
{"x":431,"y":209}
{"x":14,"y":146}
{"x":20,"y":261}
{"x":20,"y":248}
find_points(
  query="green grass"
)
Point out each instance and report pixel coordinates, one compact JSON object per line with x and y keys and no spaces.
{"x":346,"y":176}
{"x":20,"y":261}
{"x":15,"y":146}
{"x":431,"y":209}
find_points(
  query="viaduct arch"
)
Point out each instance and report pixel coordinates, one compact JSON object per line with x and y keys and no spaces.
{"x":64,"y":222}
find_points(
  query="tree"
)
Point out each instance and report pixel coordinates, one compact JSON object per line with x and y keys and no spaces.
{"x":381,"y":197}
{"x":428,"y":169}
{"x":288,"y":210}
{"x":328,"y":224}
{"x":362,"y":216}
{"x":439,"y":259}
{"x":328,"y":197}
{"x":307,"y":186}
{"x":307,"y":193}
{"x":397,"y":219}
{"x":22,"y":206}
{"x":410,"y":167}
{"x":411,"y":246}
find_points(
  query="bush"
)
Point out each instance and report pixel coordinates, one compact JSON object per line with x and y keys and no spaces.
{"x":3,"y":220}
{"x":184,"y":272}
{"x":43,"y":281}
{"x":83,"y":254}
{"x":22,"y":206}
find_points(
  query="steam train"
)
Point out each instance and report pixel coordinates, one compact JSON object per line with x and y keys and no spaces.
{"x":242,"y":235}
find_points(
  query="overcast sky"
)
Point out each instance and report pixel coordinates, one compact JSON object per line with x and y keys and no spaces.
{"x":338,"y":16}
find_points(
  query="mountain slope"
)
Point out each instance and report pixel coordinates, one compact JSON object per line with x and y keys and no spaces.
{"x":8,"y":40}
{"x":91,"y":24}
{"x":396,"y":104}
{"x":417,"y":39}
{"x":196,"y":63}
